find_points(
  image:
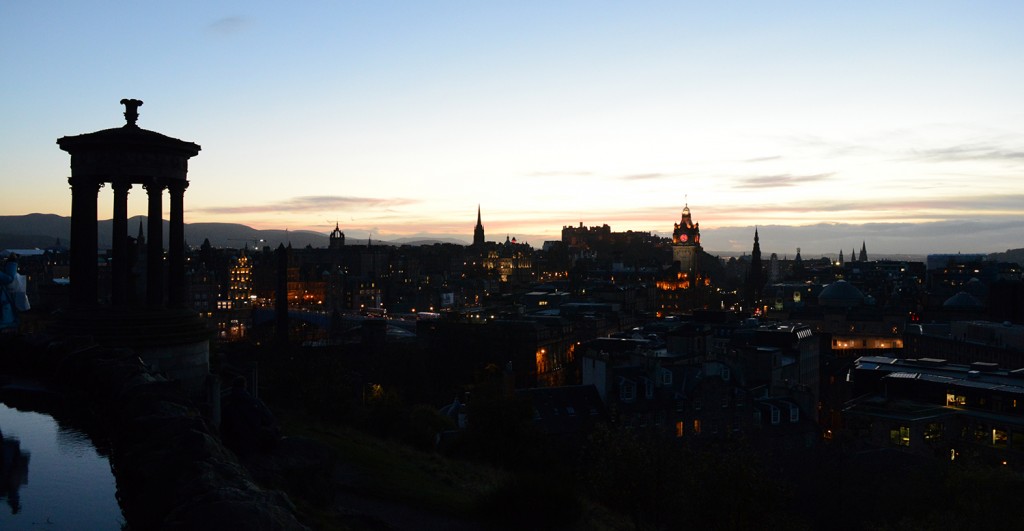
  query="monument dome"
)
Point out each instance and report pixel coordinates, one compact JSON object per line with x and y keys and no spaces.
{"x":840,"y":294}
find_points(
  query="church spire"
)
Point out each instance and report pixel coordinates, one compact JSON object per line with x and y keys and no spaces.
{"x":754,"y":286}
{"x":478,"y":232}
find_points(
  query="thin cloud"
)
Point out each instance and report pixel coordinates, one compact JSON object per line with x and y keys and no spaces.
{"x":1010,"y":203}
{"x":764,"y":159}
{"x":312,"y":202}
{"x":644,"y":176}
{"x":782,"y":180}
{"x":228,"y":25}
{"x":560,"y":174}
{"x":969,"y":152}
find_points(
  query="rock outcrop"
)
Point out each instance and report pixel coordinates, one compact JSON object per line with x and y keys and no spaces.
{"x":171,"y":469}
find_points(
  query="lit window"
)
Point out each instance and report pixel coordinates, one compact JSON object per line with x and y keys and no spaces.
{"x":679,"y":428}
{"x":900,"y":436}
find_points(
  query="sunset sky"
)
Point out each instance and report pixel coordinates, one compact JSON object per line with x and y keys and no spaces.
{"x":896,"y":123}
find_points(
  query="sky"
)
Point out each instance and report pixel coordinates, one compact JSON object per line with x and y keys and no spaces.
{"x":824,"y":124}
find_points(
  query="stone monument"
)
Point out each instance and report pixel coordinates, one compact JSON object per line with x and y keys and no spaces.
{"x":167,"y":335}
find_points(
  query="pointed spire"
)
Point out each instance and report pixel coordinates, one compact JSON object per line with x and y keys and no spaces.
{"x":756,"y":253}
{"x":478,"y":231}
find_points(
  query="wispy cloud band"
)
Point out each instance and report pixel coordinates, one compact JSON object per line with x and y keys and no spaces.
{"x":309,"y":203}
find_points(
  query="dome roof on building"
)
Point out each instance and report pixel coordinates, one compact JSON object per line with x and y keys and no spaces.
{"x":962,"y":300}
{"x":840,"y":294}
{"x":976,"y":287}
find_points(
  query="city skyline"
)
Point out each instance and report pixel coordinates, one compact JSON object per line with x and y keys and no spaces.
{"x":895,"y":125}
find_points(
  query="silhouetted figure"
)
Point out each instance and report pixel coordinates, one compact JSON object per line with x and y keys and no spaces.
{"x":247,"y":425}
{"x":8,"y":310}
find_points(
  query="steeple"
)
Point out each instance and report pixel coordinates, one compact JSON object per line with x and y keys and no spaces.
{"x":478,"y":232}
{"x":863,"y":252}
{"x":754,"y":285}
{"x":755,"y":254}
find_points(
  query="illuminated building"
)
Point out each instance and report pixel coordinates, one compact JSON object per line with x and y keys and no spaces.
{"x":686,"y":285}
{"x":686,"y":242}
{"x":239,"y":285}
{"x":511,"y":261}
{"x":930,"y":407}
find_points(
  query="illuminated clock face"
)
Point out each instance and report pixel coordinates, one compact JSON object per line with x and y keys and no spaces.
{"x":683,"y":237}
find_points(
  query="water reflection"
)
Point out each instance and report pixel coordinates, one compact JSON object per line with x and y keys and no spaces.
{"x":71,"y":485}
{"x":13,"y":471}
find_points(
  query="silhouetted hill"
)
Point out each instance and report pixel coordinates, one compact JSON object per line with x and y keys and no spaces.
{"x":34,"y":231}
{"x":237,"y":235}
{"x":44,"y":231}
{"x":1011,"y":255}
{"x":427,"y":241}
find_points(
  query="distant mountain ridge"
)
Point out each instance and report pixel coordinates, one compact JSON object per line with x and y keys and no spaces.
{"x":50,"y":230}
{"x":45,"y":231}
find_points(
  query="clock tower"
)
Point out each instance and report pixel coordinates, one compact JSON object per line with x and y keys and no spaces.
{"x":686,"y":242}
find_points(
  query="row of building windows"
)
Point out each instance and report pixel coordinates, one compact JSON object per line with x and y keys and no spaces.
{"x":979,"y":433}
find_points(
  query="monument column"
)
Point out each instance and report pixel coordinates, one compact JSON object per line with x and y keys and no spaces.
{"x":119,"y":268}
{"x":84,"y":192}
{"x":172,"y":341}
{"x":155,"y":244}
{"x":176,"y":245}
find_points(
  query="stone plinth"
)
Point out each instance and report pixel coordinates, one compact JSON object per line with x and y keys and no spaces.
{"x":174,"y":342}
